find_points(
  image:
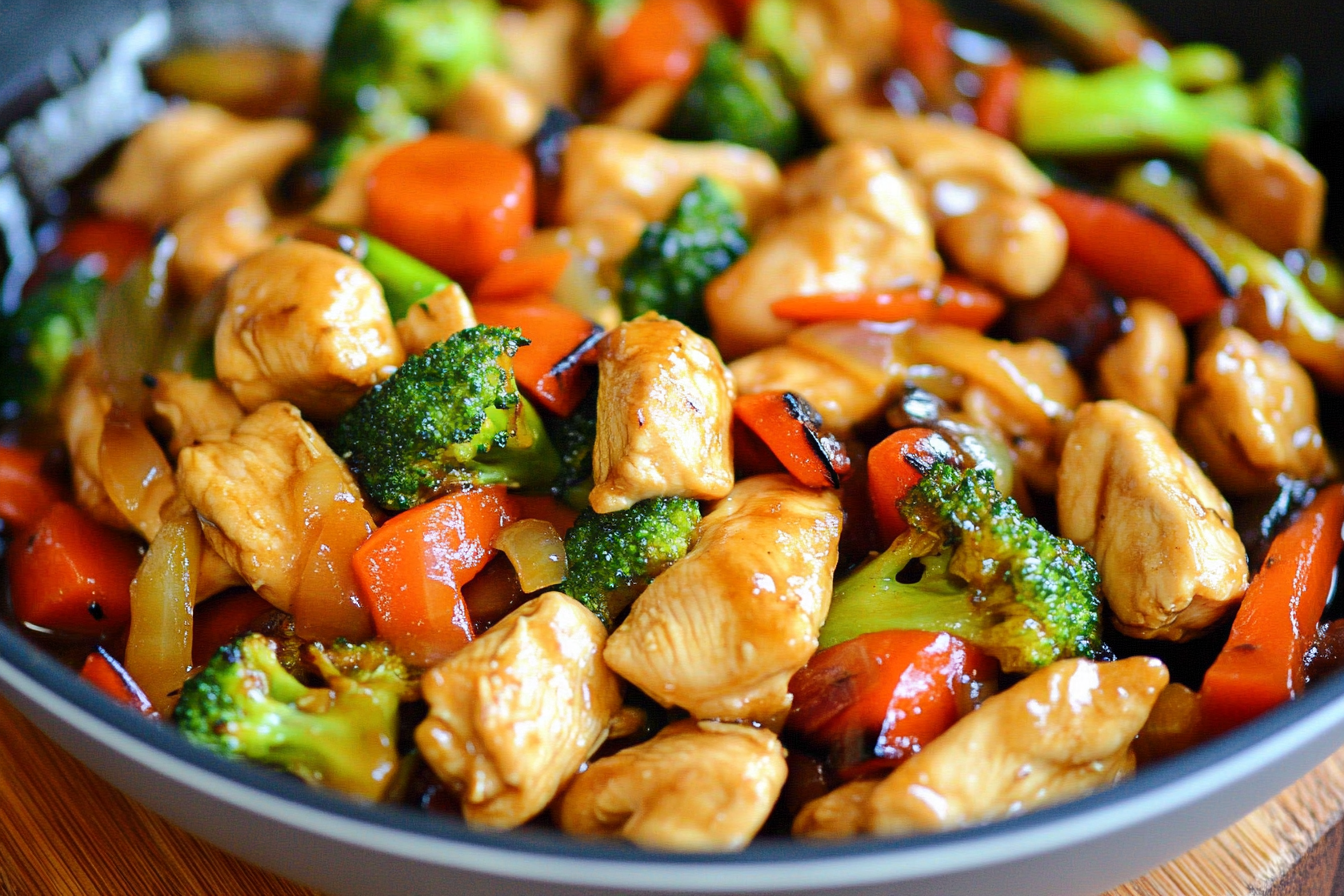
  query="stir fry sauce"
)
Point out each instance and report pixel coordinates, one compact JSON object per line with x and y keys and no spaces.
{"x":678,"y":420}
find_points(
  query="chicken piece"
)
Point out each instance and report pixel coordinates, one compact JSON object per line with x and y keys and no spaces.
{"x":1266,"y":189}
{"x":1146,"y":365}
{"x":648,"y":108}
{"x":83,"y":411}
{"x":217,"y":234}
{"x":864,"y":31}
{"x":1058,"y":734}
{"x":610,"y":169}
{"x":721,"y":632}
{"x":192,"y":153}
{"x":434,"y":319}
{"x":1251,"y":415}
{"x":1171,"y":562}
{"x":840,"y":814}
{"x":188,"y":408}
{"x":305,"y":324}
{"x":1016,"y":243}
{"x":346,"y":203}
{"x":495,"y":106}
{"x":856,"y":224}
{"x":247,"y":486}
{"x":843,"y":399}
{"x":696,"y":787}
{"x":664,"y":416}
{"x":515,"y":713}
{"x":542,"y":48}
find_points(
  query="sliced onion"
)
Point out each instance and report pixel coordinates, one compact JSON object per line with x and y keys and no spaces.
{"x":870,"y":351}
{"x":132,"y":318}
{"x":536,"y":551}
{"x":163,"y":597}
{"x":135,"y":471}
{"x":326,"y":604}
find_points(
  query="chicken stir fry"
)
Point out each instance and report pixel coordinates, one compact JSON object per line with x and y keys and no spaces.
{"x":691,"y":426}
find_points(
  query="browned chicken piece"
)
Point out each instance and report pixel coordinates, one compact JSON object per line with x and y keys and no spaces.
{"x":1146,"y":365}
{"x":648,"y":108}
{"x":346,"y":204}
{"x":246,"y":485}
{"x":188,"y":408}
{"x":83,"y":411}
{"x":848,"y":44}
{"x":614,"y":169}
{"x":696,"y":787}
{"x":664,"y":416}
{"x":1016,"y":243}
{"x":434,"y":319}
{"x":839,"y":814}
{"x":305,"y":324}
{"x":843,"y":399}
{"x":1266,"y":189}
{"x":495,"y":106}
{"x":854,"y":224}
{"x":1250,"y":415}
{"x":191,"y":153}
{"x":515,"y":713}
{"x":217,"y":234}
{"x":1060,"y":733}
{"x":721,"y":632}
{"x":1171,"y":562}
{"x":542,"y":48}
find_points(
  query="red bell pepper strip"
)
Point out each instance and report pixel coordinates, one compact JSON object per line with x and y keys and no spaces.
{"x":552,"y":369}
{"x":222,"y":618}
{"x":1173,"y":266}
{"x":996,"y":107}
{"x":922,"y":49}
{"x":1262,"y":664}
{"x":117,"y":242}
{"x":663,"y":40}
{"x":519,"y":279}
{"x":895,"y":465}
{"x":410,"y":572}
{"x":791,"y":429}
{"x":102,"y":670}
{"x":25,"y":494}
{"x":957,"y":300}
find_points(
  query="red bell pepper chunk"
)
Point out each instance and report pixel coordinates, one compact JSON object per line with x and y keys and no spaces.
{"x":996,"y":107}
{"x":791,"y":429}
{"x":922,"y":49}
{"x":116,"y":242}
{"x":25,"y":493}
{"x":895,"y":465}
{"x":102,"y":670}
{"x":552,"y":370}
{"x":222,"y":618}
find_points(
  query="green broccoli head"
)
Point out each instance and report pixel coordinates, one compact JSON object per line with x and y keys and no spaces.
{"x":245,"y":704}
{"x":988,"y":574}
{"x":675,"y":259}
{"x":450,"y":416}
{"x":738,"y":98}
{"x":422,"y":51}
{"x":39,"y":339}
{"x":614,"y":556}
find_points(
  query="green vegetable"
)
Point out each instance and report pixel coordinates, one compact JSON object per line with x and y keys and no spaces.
{"x":450,"y":416}
{"x":675,"y":259}
{"x":613,"y":557}
{"x":404,"y":278}
{"x":573,"y":438}
{"x":990,"y":575}
{"x":738,"y":98}
{"x":341,"y":734}
{"x":771,"y":32}
{"x":39,"y":339}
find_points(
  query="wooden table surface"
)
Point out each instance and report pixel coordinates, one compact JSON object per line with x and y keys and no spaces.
{"x":63,"y":832}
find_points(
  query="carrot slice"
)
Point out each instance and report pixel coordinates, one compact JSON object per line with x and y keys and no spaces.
{"x":72,"y":574}
{"x":1262,"y":663}
{"x":1173,"y":266}
{"x":996,"y":107}
{"x":957,"y":300}
{"x":522,"y":278}
{"x":459,"y":204}
{"x":895,"y":465}
{"x":663,"y":40}
{"x":551,"y":369}
{"x":116,"y":242}
{"x":791,"y":429}
{"x":25,"y":494}
{"x":222,"y":618}
{"x":102,"y":670}
{"x":411,"y":571}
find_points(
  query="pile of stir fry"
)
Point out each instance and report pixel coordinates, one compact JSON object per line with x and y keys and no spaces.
{"x":681,"y":419}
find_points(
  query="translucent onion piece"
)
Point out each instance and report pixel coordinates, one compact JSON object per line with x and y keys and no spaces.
{"x":135,"y":471}
{"x":327,"y":604}
{"x":163,"y":597}
{"x":132,"y":317}
{"x":872,"y":352}
{"x":536,"y":551}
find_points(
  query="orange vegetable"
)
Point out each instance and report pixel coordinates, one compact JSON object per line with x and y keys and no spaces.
{"x":922,"y":48}
{"x":545,"y":507}
{"x":791,"y":429}
{"x":552,"y":369}
{"x":25,"y":494}
{"x":895,"y":465}
{"x":996,"y":107}
{"x":663,"y":40}
{"x":459,"y":204}
{"x":411,"y":571}
{"x":223,"y":618}
{"x":102,"y":670}
{"x":1261,"y":665}
{"x":1107,"y":236}
{"x":72,"y":574}
{"x":902,"y":687}
{"x":957,"y":300}
{"x":519,"y":279}
{"x":116,"y":242}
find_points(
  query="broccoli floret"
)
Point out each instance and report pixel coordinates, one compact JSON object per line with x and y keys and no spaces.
{"x":341,"y":735}
{"x":573,"y":438}
{"x":450,"y":416}
{"x":675,"y":259}
{"x":990,"y":575}
{"x":614,"y":556}
{"x":738,"y":98}
{"x":41,"y":337}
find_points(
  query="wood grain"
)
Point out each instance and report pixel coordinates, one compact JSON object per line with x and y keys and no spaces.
{"x":63,"y":832}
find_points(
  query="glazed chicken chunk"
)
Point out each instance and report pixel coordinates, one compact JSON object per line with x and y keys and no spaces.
{"x":1171,"y":562}
{"x":515,"y":713}
{"x":435,"y":318}
{"x":696,"y":787}
{"x":721,"y":632}
{"x":219,"y":233}
{"x":664,"y":416}
{"x":305,"y":324}
{"x":189,"y":408}
{"x":1146,"y":365}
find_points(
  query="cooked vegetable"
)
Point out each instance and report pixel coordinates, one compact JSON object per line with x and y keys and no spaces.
{"x":614,"y":556}
{"x":922,"y":49}
{"x":523,"y":277}
{"x":405,"y":280}
{"x":222,"y":619}
{"x":163,"y":598}
{"x":451,"y":416}
{"x":102,"y":670}
{"x":536,"y":552}
{"x":1102,"y":32}
{"x":659,"y":40}
{"x":895,"y":466}
{"x":957,"y":300}
{"x":991,"y":576}
{"x":40,"y":338}
{"x":675,"y":259}
{"x":573,"y":438}
{"x":792,"y":429}
{"x":341,"y":735}
{"x":550,"y":368}
{"x":26,"y":493}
